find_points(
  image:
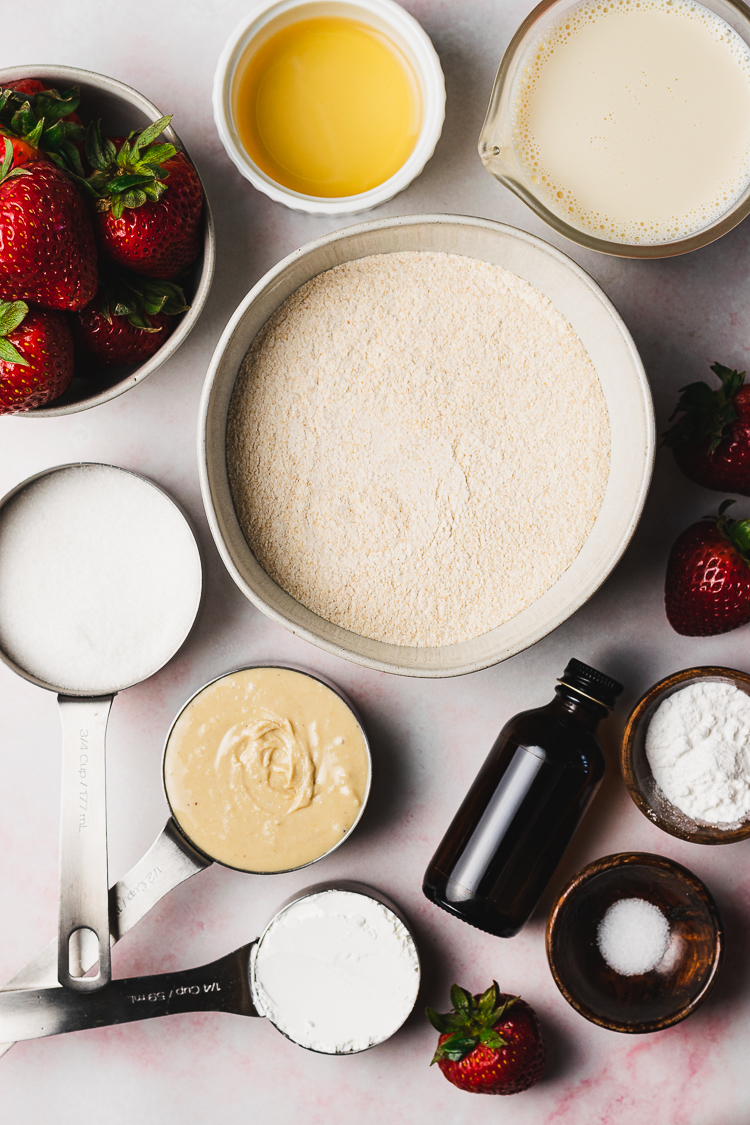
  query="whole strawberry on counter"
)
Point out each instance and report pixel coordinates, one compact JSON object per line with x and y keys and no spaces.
{"x":128,"y":320}
{"x":148,"y":201}
{"x":36,"y":356}
{"x":47,"y":251}
{"x":489,"y":1043}
{"x":711,"y":441}
{"x":707,"y":587}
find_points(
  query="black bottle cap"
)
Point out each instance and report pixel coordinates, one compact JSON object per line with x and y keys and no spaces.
{"x":594,"y":685}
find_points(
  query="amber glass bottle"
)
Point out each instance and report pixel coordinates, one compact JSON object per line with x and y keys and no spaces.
{"x":527,"y":801}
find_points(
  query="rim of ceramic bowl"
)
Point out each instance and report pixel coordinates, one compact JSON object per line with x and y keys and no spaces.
{"x":74,"y":76}
{"x":410,"y":37}
{"x":681,"y":826}
{"x":513,"y":56}
{"x":618,"y":366}
{"x":301,"y":670}
{"x":607,"y":341}
{"x":611,"y":863}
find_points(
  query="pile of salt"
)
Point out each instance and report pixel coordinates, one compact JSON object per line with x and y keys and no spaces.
{"x":633,"y":936}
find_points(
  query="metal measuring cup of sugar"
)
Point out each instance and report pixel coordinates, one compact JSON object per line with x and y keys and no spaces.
{"x":100,"y":583}
{"x":170,"y":860}
{"x":355,"y":1018}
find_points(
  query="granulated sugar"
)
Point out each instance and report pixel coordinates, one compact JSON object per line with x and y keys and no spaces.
{"x":100,"y":578}
{"x":417,"y":446}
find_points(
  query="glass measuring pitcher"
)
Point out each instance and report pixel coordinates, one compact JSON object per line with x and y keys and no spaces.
{"x":499,"y":152}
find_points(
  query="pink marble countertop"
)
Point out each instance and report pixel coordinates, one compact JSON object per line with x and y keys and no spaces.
{"x":429,"y":737}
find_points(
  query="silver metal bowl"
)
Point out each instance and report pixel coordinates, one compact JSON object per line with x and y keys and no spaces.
{"x":121,"y":109}
{"x":623,"y":381}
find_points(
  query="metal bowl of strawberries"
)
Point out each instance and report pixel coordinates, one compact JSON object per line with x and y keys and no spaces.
{"x":107,"y":243}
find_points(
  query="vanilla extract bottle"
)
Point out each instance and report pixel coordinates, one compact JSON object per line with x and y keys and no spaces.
{"x":527,"y":801}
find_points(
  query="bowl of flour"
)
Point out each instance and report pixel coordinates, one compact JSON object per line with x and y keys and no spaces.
{"x":686,"y":755}
{"x":424,"y":442}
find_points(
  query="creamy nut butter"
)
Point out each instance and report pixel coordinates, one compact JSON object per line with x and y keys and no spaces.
{"x":266,"y":769}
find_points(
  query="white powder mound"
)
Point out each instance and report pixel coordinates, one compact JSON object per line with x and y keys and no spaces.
{"x":100,"y":579}
{"x":417,"y":446}
{"x":698,"y":747}
{"x":633,"y":936}
{"x":337,"y":972}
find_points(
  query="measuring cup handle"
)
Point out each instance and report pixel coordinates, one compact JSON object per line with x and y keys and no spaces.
{"x":223,"y":986}
{"x":169,"y":861}
{"x":83,"y":920}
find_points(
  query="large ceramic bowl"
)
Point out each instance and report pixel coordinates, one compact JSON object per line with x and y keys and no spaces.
{"x":121,"y":109}
{"x":623,"y":382}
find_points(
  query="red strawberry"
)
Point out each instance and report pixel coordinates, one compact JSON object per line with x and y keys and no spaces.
{"x":707,"y":588}
{"x":47,"y":252}
{"x":24,"y":86}
{"x":128,"y":320}
{"x":45,"y":119}
{"x":149,"y":201}
{"x":36,"y":356}
{"x":711,"y":442}
{"x":489,"y":1043}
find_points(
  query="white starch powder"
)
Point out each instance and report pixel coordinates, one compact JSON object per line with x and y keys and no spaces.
{"x":337,"y":972}
{"x":417,"y":446}
{"x":698,"y":747}
{"x":633,"y":936}
{"x":100,"y":578}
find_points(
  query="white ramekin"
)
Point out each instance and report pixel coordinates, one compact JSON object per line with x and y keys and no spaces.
{"x":391,"y":20}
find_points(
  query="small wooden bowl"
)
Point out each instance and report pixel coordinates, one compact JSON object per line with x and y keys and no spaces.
{"x":647,"y":1001}
{"x":637,"y":772}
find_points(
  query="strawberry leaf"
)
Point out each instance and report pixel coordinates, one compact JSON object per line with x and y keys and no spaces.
{"x":7,"y":163}
{"x":9,"y":354}
{"x":706,"y":414}
{"x":461,"y":1000}
{"x":149,"y":135}
{"x":740,"y":536}
{"x":456,"y":1047}
{"x":125,"y":183}
{"x":438,"y":1022}
{"x":490,"y":1038}
{"x":157,"y":154}
{"x":11,"y":315}
{"x":100,"y":152}
{"x":489,"y":1000}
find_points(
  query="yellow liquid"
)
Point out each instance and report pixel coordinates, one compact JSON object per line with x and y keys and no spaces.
{"x":328,"y":107}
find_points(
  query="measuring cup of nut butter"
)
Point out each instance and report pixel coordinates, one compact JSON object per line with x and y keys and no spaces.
{"x":266,"y":769}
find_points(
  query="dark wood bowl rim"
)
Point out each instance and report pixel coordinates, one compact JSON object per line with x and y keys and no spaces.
{"x":638,"y":859}
{"x":709,"y":834}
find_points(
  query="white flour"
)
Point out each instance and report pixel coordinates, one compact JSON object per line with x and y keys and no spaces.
{"x":337,"y":972}
{"x":418,"y":446}
{"x":698,"y":747}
